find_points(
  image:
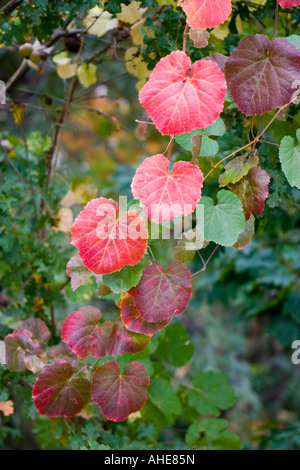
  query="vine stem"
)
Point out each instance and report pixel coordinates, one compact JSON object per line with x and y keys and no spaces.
{"x":254,"y":141}
{"x":185,"y":37}
{"x":170,"y":147}
{"x":205,"y":264}
{"x":276,"y":20}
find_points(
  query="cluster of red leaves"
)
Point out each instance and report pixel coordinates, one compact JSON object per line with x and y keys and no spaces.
{"x":179,"y":97}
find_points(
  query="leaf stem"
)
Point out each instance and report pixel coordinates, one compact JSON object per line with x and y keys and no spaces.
{"x":185,"y":37}
{"x":205,"y":264}
{"x":276,"y":20}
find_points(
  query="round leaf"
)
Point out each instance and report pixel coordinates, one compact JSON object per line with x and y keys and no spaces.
{"x":203,"y":14}
{"x":161,"y":295}
{"x":177,"y":102}
{"x":106,"y":244}
{"x":118,"y":395}
{"x":262,"y":74}
{"x":224,"y":221}
{"x":58,"y":392}
{"x":289,"y":155}
{"x":164,"y":196}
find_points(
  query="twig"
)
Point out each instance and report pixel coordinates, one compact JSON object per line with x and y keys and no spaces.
{"x":255,"y":141}
{"x":276,"y":20}
{"x":185,"y":37}
{"x":151,"y":253}
{"x":205,"y":264}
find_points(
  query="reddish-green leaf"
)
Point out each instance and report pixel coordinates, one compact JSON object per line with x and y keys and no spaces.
{"x":118,"y":395}
{"x":84,"y":335}
{"x":180,"y":96}
{"x":236,"y":169}
{"x":203,"y":14}
{"x":253,"y":190}
{"x":59,"y":392}
{"x":38,"y":328}
{"x":134,"y":322}
{"x":262,"y":74}
{"x":23,"y":352}
{"x":106,"y":244}
{"x":81,"y":330}
{"x":246,"y":237}
{"x":162,"y":294}
{"x":163,"y":195}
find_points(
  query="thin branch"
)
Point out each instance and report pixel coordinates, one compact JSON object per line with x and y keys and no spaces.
{"x":205,"y":264}
{"x":255,"y":141}
{"x":276,"y":20}
{"x":185,"y":37}
{"x":11,"y":6}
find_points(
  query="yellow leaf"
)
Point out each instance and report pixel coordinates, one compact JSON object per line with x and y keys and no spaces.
{"x":87,"y":75}
{"x":67,"y":71}
{"x":17,"y":110}
{"x":221,"y":31}
{"x":131,"y":13}
{"x":98,"y":22}
{"x":65,"y":220}
{"x":135,"y":64}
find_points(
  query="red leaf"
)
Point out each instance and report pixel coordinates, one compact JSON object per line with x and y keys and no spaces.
{"x":160,"y":295}
{"x":134,"y":322}
{"x":81,"y":330}
{"x":23,"y":352}
{"x":261,"y":74}
{"x":203,"y":14}
{"x":178,"y":102}
{"x":84,"y":335}
{"x":253,"y":191}
{"x":165,"y":196}
{"x":59,"y":392}
{"x":106,"y":244}
{"x":119,"y":395}
{"x":62,"y":352}
{"x":38,"y":328}
{"x":288,"y":3}
{"x":119,"y":340}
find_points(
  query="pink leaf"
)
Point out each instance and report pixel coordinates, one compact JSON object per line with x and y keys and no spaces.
{"x":161,"y":295}
{"x":106,"y":244}
{"x":288,"y":3}
{"x":253,"y":191}
{"x":133,"y":320}
{"x":203,"y":14}
{"x":81,"y":330}
{"x":38,"y":328}
{"x":262,"y":74}
{"x":165,"y":196}
{"x":84,"y":335}
{"x":200,"y":37}
{"x":118,"y":395}
{"x":181,"y":97}
{"x":59,"y":392}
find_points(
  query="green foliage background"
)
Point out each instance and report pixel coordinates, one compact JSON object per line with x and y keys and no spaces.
{"x":245,"y":310}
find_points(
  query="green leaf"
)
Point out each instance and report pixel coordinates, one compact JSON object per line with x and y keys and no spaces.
{"x":175,"y":343}
{"x":128,"y":277}
{"x":236,"y":169}
{"x":209,"y":147}
{"x":210,"y":394}
{"x":37,"y":143}
{"x":211,"y":434}
{"x":163,"y":405}
{"x":224,"y":221}
{"x":289,"y":155}
{"x":295,"y":40}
